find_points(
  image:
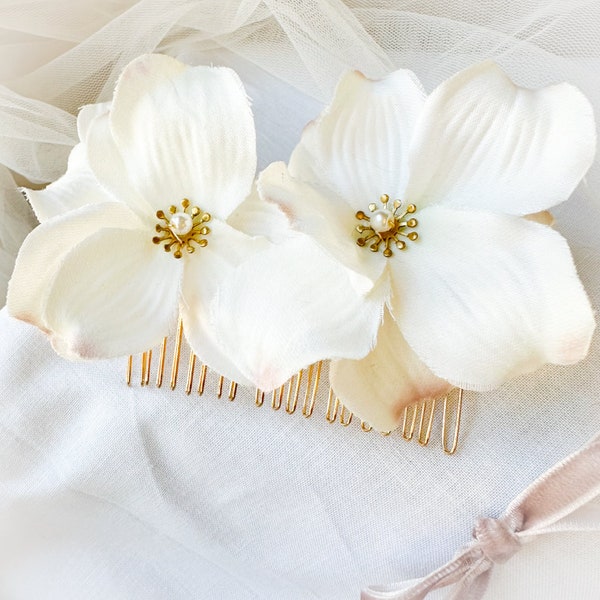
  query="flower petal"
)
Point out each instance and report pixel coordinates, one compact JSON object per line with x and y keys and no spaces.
{"x":44,"y":249}
{"x":111,"y":170}
{"x":358,"y":147}
{"x":291,"y":306}
{"x":330,"y":222}
{"x":116,"y":293}
{"x":256,"y":217}
{"x":482,"y":297}
{"x":185,"y":132}
{"x":76,"y":188}
{"x":378,"y":387}
{"x":483,"y":142}
{"x":86,"y":117}
{"x":205,"y":272}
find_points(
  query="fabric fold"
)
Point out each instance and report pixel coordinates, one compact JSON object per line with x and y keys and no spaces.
{"x":568,"y":486}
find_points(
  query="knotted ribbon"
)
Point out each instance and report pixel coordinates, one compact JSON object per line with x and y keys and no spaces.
{"x":563,"y":489}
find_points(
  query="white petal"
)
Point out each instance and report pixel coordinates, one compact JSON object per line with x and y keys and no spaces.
{"x":116,"y":293}
{"x":111,"y":171}
{"x":483,"y":142}
{"x":76,"y":188}
{"x":185,"y":132}
{"x":291,"y":306}
{"x":86,"y":116}
{"x":378,"y":387}
{"x":205,"y":272}
{"x":331,"y":223}
{"x":256,"y":217}
{"x":358,"y":147}
{"x":482,"y":297}
{"x":44,"y":250}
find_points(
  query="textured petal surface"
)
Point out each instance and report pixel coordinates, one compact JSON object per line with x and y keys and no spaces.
{"x":116,"y":293}
{"x":76,"y":188}
{"x":291,"y":306}
{"x":111,"y":170}
{"x":44,"y":250}
{"x":325,"y":218}
{"x":483,"y":142}
{"x":205,"y":272}
{"x":359,"y":145}
{"x":482,"y":298}
{"x":378,"y":387}
{"x":185,"y":132}
{"x":257,"y":217}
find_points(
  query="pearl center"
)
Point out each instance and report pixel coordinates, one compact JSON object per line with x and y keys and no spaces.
{"x":382,"y":221}
{"x":181,"y":223}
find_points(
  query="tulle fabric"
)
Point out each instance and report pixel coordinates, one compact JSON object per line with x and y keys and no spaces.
{"x":58,"y":55}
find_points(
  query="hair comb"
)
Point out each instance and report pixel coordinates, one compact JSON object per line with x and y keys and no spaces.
{"x":301,"y":264}
{"x":298,"y":394}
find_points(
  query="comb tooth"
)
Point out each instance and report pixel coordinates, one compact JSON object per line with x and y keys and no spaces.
{"x":129,"y":369}
{"x":233,"y":390}
{"x":259,"y":397}
{"x":345,"y":420}
{"x":161,"y":363}
{"x":143,"y":376}
{"x":148,"y":365}
{"x":315,"y":389}
{"x":407,"y":433}
{"x":385,"y":433}
{"x":220,"y":386}
{"x":365,"y":426}
{"x":277,"y":398}
{"x":288,"y":400}
{"x":423,"y":439}
{"x":202,"y":380}
{"x":291,"y":408}
{"x":176,"y":355}
{"x":306,"y":407}
{"x":332,"y":407}
{"x":190,"y":374}
{"x":445,"y":419}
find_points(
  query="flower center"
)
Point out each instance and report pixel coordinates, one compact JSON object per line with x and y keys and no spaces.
{"x":387,"y":226}
{"x":181,"y":229}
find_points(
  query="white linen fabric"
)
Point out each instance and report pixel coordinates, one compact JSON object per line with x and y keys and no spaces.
{"x":115,"y":492}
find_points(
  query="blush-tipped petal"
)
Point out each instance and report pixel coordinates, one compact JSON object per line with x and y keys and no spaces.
{"x":378,"y":387}
{"x":184,"y":132}
{"x":483,"y":142}
{"x":76,"y":188}
{"x":358,"y":147}
{"x":482,"y":297}
{"x":44,"y":250}
{"x":115,"y":293}
{"x":329,"y":222}
{"x":291,"y":306}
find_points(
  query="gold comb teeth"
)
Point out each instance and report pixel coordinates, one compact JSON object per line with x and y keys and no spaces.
{"x":298,"y":395}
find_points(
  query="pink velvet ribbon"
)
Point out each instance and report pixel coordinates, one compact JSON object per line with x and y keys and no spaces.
{"x":569,"y":485}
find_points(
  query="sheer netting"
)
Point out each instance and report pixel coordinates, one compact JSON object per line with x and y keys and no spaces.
{"x":116,"y":492}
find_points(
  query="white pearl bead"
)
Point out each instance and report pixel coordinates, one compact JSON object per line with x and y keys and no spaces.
{"x":181,"y":223}
{"x":382,"y":220}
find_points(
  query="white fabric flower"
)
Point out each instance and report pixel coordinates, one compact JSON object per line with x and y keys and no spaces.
{"x":177,"y":144}
{"x":482,"y":295}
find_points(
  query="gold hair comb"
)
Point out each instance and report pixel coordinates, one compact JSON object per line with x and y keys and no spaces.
{"x":299,"y":393}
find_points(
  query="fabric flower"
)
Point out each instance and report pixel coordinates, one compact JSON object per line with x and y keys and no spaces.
{"x":423,"y":199}
{"x":135,"y":233}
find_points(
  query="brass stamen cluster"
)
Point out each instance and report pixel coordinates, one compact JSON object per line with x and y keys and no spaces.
{"x":180,"y":229}
{"x":396,"y":226}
